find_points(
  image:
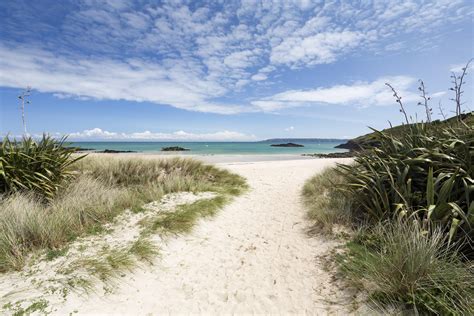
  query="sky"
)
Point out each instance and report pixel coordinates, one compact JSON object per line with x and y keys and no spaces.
{"x":227,"y":70}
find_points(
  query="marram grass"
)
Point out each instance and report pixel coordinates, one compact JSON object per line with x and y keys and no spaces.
{"x":103,"y":188}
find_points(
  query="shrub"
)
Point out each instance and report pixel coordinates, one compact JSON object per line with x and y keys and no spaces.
{"x":403,"y":267}
{"x":425,"y":175}
{"x":41,"y":166}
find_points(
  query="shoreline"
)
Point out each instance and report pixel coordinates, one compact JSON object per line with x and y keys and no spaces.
{"x":212,"y":158}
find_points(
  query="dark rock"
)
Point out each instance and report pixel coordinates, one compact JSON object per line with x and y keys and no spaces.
{"x":80,"y":149}
{"x":346,"y":154}
{"x":350,"y":144}
{"x":287,"y":145}
{"x":174,"y":148}
{"x":112,"y":151}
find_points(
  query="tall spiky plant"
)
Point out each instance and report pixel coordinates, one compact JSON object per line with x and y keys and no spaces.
{"x":426,"y":99}
{"x":42,"y":166}
{"x":458,"y":81}
{"x":24,"y":100}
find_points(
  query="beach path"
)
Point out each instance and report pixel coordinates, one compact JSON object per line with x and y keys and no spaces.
{"x":252,"y":257}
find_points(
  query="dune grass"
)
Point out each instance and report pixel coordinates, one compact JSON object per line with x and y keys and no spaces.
{"x":109,"y":263}
{"x":327,"y":206}
{"x":103,"y":188}
{"x":184,"y":218}
{"x":404,"y":268}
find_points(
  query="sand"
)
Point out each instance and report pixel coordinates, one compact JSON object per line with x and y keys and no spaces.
{"x":253,"y":257}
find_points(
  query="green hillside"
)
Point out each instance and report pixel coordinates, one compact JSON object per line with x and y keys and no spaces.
{"x":370,"y":139}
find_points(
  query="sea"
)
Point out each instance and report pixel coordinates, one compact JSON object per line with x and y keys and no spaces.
{"x":311,"y":146}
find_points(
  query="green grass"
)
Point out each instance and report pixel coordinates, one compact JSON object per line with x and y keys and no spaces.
{"x":326,"y":204}
{"x":103,"y":188}
{"x":185,"y":216}
{"x":144,"y":250}
{"x":52,"y":254}
{"x":110,"y":263}
{"x":401,"y":266}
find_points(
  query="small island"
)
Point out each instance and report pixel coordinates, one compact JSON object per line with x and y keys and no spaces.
{"x":287,"y":145}
{"x":112,"y":151}
{"x":174,"y":148}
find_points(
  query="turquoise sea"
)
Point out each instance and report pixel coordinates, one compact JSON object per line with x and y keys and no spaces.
{"x":225,"y":148}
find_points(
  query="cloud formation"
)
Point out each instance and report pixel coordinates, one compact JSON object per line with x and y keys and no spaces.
{"x":361,"y":94}
{"x":193,"y":56}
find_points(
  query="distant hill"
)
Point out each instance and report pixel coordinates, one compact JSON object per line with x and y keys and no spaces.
{"x":369,"y":140}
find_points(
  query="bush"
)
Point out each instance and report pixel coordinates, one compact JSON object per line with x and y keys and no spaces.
{"x":405,"y":268}
{"x":41,"y":166}
{"x":425,"y":175}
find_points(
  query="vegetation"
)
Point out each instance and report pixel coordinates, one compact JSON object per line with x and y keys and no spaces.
{"x":110,"y":263}
{"x":425,"y":176}
{"x":371,"y":140}
{"x":404,"y":268}
{"x":327,"y":205}
{"x":409,"y":198}
{"x":43,"y":166}
{"x":102,"y":188}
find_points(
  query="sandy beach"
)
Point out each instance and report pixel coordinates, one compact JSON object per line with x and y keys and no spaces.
{"x":253,"y":257}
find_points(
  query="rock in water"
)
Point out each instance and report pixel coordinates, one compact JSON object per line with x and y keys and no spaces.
{"x":287,"y":145}
{"x":174,"y":148}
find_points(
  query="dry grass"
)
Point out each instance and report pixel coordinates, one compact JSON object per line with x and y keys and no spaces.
{"x":326,"y":205}
{"x":103,"y":188}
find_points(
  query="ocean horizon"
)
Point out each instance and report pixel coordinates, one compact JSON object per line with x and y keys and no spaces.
{"x":311,"y":146}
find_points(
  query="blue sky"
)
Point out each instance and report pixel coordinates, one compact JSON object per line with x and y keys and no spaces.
{"x":226,"y":70}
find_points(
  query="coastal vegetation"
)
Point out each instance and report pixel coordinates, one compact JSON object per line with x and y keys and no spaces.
{"x":371,"y":139}
{"x":50,"y":196}
{"x":408,"y":200}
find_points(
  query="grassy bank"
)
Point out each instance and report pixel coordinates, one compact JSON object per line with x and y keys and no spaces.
{"x":102,"y":188}
{"x":408,"y":200}
{"x":402,"y":267}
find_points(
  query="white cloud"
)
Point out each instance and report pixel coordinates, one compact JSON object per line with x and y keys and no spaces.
{"x":188,"y":56}
{"x":259,"y":77}
{"x":361,"y":94}
{"x":99,"y":134}
{"x":321,"y":48}
{"x":289,"y":129}
{"x":133,"y":80}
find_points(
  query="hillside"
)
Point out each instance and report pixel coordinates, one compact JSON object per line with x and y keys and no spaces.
{"x":370,"y":139}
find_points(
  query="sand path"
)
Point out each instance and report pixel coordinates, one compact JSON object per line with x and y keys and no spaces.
{"x":253,"y":257}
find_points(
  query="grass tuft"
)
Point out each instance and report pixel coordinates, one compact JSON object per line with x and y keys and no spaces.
{"x":185,"y":216}
{"x":144,"y":250}
{"x":326,"y":204}
{"x":402,"y":266}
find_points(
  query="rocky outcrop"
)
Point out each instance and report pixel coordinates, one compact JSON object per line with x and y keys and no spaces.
{"x":287,"y":145}
{"x":347,"y":154}
{"x":112,"y":151}
{"x":174,"y":148}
